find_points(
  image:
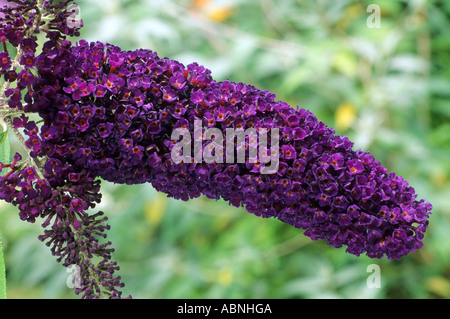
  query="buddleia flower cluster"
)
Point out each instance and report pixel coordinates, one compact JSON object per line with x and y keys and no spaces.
{"x":41,"y":186}
{"x":110,"y":114}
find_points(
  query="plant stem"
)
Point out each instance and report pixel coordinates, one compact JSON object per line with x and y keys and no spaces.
{"x":2,"y":273}
{"x":85,"y":257}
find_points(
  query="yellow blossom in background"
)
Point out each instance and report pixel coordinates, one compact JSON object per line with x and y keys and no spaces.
{"x":215,"y":12}
{"x":225,"y":276}
{"x":439,"y":285}
{"x":154,"y":210}
{"x":439,"y":177}
{"x":345,"y":116}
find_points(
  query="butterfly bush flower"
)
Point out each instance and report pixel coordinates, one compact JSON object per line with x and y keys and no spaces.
{"x":112,"y":113}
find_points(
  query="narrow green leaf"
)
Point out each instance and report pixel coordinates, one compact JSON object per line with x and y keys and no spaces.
{"x":3,"y":136}
{"x":5,"y":151}
{"x":2,"y":273}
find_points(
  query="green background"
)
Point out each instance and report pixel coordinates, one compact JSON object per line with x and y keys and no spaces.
{"x":386,"y":88}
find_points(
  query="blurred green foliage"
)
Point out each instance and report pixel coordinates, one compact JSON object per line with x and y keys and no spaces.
{"x":386,"y":88}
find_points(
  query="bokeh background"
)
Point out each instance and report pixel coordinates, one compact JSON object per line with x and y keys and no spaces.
{"x":386,"y":88}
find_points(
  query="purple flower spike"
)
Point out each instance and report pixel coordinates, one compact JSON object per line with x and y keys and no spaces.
{"x":320,"y":184}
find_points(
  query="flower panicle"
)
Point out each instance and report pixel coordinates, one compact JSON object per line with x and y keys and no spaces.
{"x":41,"y":187}
{"x":73,"y":238}
{"x":61,"y":199}
{"x":112,"y":113}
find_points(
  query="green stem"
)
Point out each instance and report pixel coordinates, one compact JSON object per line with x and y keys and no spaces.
{"x":2,"y":273}
{"x":84,"y":256}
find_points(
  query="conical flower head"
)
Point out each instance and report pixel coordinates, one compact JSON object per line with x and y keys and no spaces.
{"x":114,"y":113}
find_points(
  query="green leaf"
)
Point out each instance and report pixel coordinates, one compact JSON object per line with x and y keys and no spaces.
{"x":5,"y":147}
{"x":5,"y":150}
{"x":2,"y":273}
{"x":3,"y":137}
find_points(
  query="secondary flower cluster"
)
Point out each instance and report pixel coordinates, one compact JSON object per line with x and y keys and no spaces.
{"x":74,"y":241}
{"x":43,"y":187}
{"x":61,"y":198}
{"x":111,"y":113}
